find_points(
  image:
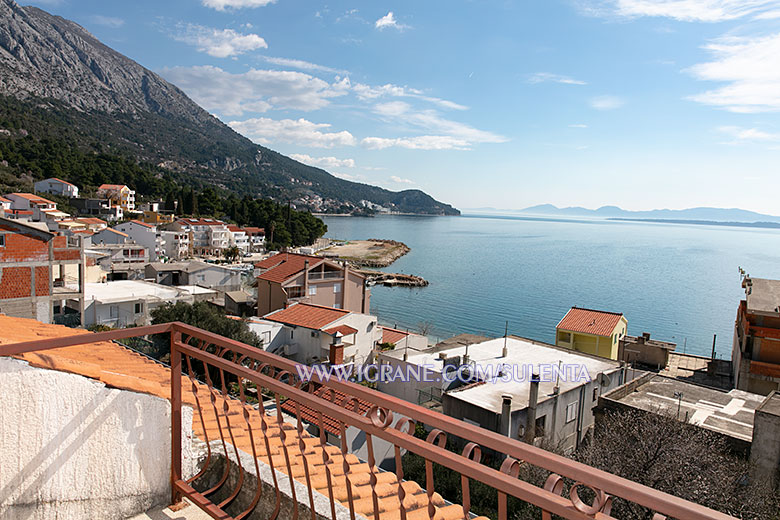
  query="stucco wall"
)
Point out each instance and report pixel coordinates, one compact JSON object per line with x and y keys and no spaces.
{"x":72,"y":448}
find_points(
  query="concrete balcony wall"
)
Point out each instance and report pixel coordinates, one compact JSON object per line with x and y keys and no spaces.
{"x":70,"y":447}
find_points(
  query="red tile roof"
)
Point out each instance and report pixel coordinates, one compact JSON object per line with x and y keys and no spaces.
{"x":344,"y":330}
{"x":599,"y":323}
{"x":284,"y":266}
{"x":254,"y":230}
{"x":115,"y":231}
{"x":3,"y":199}
{"x":144,"y":224}
{"x":112,"y":186}
{"x":234,"y":229}
{"x":200,"y":222}
{"x":392,"y":335}
{"x":91,"y":220}
{"x":60,"y":180}
{"x":33,"y":198}
{"x":307,"y":315}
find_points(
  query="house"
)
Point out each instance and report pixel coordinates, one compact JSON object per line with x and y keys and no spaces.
{"x":176,"y":244}
{"x":109,"y":236}
{"x":317,"y":334}
{"x":239,"y":238}
{"x":39,"y":271}
{"x":755,"y":354}
{"x":240,"y":303}
{"x":119,"y":195}
{"x":592,"y":332}
{"x":103,"y":208}
{"x":491,"y":384}
{"x":146,"y":235}
{"x":157,"y":218}
{"x":195,"y":272}
{"x":57,"y":187}
{"x":287,"y":277}
{"x":644,"y":351}
{"x":116,"y":262}
{"x":43,"y":210}
{"x":5,"y":206}
{"x":93,"y":224}
{"x":124,"y":303}
{"x":208,"y":237}
{"x":403,"y":339}
{"x":256,"y":238}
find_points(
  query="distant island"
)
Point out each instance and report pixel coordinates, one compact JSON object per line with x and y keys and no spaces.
{"x":723,"y":216}
{"x":768,"y":225}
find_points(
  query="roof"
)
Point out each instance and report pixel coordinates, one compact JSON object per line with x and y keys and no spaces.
{"x":282,"y":267}
{"x":3,"y":199}
{"x":27,"y":228}
{"x":58,"y":180}
{"x":144,"y":224}
{"x":524,"y":356}
{"x":33,"y":198}
{"x":254,"y":230}
{"x":344,"y":330}
{"x":119,"y":367}
{"x":588,"y":321}
{"x":239,"y":296}
{"x":112,"y":186}
{"x":200,"y":222}
{"x":307,"y":315}
{"x":128,"y":290}
{"x":762,"y":295}
{"x":235,"y":229}
{"x":393,"y":335}
{"x":726,"y":412}
{"x":112,"y":230}
{"x":91,"y":220}
{"x":190,"y":266}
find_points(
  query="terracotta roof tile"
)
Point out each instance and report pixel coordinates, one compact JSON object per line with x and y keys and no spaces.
{"x":344,"y":330}
{"x":393,"y":335}
{"x":33,"y":198}
{"x":282,"y":267}
{"x":307,"y":315}
{"x":330,"y":424}
{"x":599,"y":323}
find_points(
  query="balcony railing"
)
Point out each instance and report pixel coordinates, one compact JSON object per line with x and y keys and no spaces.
{"x":252,"y":404}
{"x":327,"y":275}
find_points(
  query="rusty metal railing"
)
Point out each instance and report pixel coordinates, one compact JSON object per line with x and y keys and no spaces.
{"x":247,"y":401}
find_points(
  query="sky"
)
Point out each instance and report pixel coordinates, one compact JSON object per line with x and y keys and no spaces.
{"x":642,"y":104}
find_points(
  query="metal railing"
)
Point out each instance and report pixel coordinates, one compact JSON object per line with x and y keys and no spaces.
{"x":238,"y":394}
{"x":327,"y":275}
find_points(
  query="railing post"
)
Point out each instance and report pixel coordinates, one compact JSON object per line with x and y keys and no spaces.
{"x":175,"y":415}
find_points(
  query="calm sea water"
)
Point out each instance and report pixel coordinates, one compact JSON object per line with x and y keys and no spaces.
{"x":678,"y":282}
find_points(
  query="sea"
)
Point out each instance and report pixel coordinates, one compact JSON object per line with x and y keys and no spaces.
{"x":494,"y":272}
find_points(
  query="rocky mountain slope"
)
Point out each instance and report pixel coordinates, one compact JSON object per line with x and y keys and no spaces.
{"x":45,"y":57}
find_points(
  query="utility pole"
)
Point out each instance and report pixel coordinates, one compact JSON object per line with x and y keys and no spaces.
{"x":714,"y":338}
{"x":679,"y":396}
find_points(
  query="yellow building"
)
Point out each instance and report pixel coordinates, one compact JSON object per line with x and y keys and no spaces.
{"x":156,"y":218}
{"x":592,"y":332}
{"x":119,"y":194}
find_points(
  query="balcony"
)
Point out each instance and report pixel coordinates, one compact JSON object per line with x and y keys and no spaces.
{"x":279,"y":447}
{"x":326,"y":275}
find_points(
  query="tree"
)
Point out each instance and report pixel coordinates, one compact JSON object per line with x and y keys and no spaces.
{"x":204,"y":316}
{"x":231,"y":253}
{"x":666,"y":454}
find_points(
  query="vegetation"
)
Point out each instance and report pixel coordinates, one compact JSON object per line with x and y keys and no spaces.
{"x":204,"y":316}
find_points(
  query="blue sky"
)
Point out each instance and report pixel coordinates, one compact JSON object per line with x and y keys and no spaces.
{"x":638,"y":103}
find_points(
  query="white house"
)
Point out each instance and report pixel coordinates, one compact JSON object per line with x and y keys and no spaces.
{"x":239,"y":238}
{"x":57,"y":187}
{"x":109,"y":236}
{"x":176,"y":244}
{"x":129,"y":302}
{"x":317,"y":334}
{"x":208,"y":236}
{"x":145,"y":234}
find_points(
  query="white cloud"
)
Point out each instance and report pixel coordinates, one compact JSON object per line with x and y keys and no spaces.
{"x":253,"y":91}
{"x":606,"y":102}
{"x":371,"y":92}
{"x":399,"y":180}
{"x":545,"y":77}
{"x":751,"y":69}
{"x":301,"y":132}
{"x":220,"y":43}
{"x":422,"y":142}
{"x":107,"y":21}
{"x":389,"y":20}
{"x":578,"y":126}
{"x":682,"y":10}
{"x":324,"y":162}
{"x":749,"y":135}
{"x":769,"y":15}
{"x":301,"y":65}
{"x":222,"y":5}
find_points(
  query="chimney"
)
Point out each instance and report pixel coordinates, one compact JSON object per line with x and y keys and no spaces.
{"x":336,"y":351}
{"x":305,"y":278}
{"x":466,"y":356}
{"x":506,"y":415}
{"x":530,"y":415}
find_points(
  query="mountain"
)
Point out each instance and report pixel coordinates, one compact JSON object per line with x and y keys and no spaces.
{"x":55,"y":65}
{"x":700,"y":214}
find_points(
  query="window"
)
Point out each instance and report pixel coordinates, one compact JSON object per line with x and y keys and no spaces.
{"x":2,"y":240}
{"x":138,"y":308}
{"x":595,"y":393}
{"x":294,"y":292}
{"x":564,"y":337}
{"x":313,"y":290}
{"x":114,"y":311}
{"x":540,"y":423}
{"x":337,"y":288}
{"x":571,"y":412}
{"x":315,"y":334}
{"x":336,"y":305}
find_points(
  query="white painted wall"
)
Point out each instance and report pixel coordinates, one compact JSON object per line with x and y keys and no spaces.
{"x":72,"y":448}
